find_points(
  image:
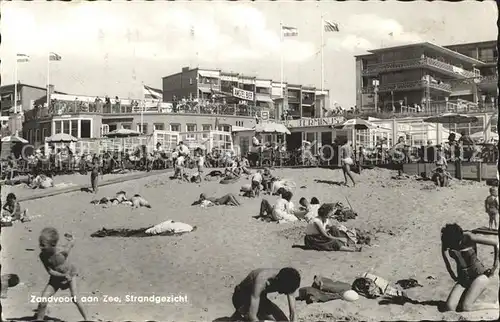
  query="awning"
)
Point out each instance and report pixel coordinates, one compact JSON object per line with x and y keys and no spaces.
{"x":263,"y":98}
{"x":235,"y":128}
{"x":462,"y":93}
{"x":211,"y":74}
{"x":205,"y":90}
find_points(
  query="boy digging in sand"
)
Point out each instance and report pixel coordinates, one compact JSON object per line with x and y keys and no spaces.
{"x":62,"y":273}
{"x":491,"y":207}
{"x":250,"y":296}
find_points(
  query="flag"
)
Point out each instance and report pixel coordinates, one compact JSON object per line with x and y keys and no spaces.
{"x":54,"y":56}
{"x":331,"y":26}
{"x":22,"y":58}
{"x":152,"y":93}
{"x":289,"y":31}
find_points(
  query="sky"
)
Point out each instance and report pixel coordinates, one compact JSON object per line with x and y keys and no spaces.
{"x":111,"y":48}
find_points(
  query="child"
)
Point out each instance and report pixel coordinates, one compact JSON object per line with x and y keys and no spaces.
{"x":94,"y":175}
{"x":256,"y":183}
{"x":12,"y":210}
{"x":200,"y":163}
{"x":491,"y":207}
{"x":62,"y":273}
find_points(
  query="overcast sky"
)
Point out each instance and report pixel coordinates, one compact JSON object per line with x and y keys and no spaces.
{"x":112,"y":47}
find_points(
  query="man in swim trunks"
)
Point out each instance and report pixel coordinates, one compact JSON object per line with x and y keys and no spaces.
{"x":250,"y":296}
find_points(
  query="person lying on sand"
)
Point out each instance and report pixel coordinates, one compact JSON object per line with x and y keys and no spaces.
{"x":472,"y":277}
{"x":40,"y":182}
{"x":138,"y":201}
{"x":282,"y":211}
{"x":228,"y":200}
{"x":62,"y":273}
{"x":11,"y":210}
{"x":317,"y":236}
{"x":250,"y":296}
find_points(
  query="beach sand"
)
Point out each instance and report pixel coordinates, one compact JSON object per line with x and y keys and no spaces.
{"x":207,"y":264}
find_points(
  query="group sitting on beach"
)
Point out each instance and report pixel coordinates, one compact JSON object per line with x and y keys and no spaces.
{"x":12,"y":211}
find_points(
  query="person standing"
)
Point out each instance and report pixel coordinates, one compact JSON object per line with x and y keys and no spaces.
{"x":94,"y":174}
{"x":346,"y":161}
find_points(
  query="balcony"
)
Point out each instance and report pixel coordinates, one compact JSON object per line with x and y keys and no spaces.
{"x":435,"y":108}
{"x":408,"y":86}
{"x":431,"y":63}
{"x":307,"y":101}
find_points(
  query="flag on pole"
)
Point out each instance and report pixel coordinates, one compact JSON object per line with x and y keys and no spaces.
{"x":331,"y":26}
{"x":22,"y":58}
{"x":152,"y":93}
{"x":54,"y":57}
{"x":289,"y":31}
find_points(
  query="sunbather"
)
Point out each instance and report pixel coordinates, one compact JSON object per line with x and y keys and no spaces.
{"x":228,"y":200}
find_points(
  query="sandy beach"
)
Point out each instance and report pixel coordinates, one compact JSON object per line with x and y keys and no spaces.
{"x":405,"y":215}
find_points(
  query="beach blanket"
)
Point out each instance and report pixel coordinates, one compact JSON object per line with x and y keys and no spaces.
{"x":170,"y":226}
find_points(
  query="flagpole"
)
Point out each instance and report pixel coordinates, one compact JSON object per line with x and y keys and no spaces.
{"x":142,"y":110}
{"x":322,"y":56}
{"x":281,"y":59}
{"x":15,"y":87}
{"x":48,"y":79}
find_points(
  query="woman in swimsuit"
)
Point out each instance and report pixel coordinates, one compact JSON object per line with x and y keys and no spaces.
{"x":472,"y":277}
{"x":346,"y":161}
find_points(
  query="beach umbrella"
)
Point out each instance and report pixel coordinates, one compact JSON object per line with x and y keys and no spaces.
{"x":61,"y":137}
{"x":356,"y":124}
{"x":14,"y":139}
{"x":271,"y":127}
{"x":451,"y":118}
{"x":122,"y":133}
{"x":480,"y":135}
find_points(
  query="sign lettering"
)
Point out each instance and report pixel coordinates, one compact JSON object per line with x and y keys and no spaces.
{"x":324,"y":121}
{"x":242,"y":94}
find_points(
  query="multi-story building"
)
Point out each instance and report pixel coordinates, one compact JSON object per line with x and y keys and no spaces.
{"x":296,"y":101}
{"x":428,"y":78}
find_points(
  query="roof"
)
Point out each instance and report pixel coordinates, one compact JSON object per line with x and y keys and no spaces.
{"x":479,"y":43}
{"x":19,"y":85}
{"x":435,"y":47}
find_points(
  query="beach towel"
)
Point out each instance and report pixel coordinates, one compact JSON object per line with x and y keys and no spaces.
{"x":313,"y":295}
{"x":330,"y":286}
{"x":169,"y":226}
{"x":125,"y":232}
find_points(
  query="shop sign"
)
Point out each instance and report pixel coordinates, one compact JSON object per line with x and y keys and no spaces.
{"x":323,"y":121}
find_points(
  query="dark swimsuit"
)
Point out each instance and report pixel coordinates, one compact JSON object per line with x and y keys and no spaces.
{"x":469,"y":266}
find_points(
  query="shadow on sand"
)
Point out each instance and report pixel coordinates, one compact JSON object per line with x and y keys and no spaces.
{"x":330,"y":182}
{"x":441,"y":305}
{"x":33,"y":318}
{"x":88,"y":190}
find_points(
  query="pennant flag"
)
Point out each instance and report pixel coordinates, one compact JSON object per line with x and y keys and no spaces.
{"x":54,"y":57}
{"x":289,"y":31}
{"x":22,"y":58}
{"x":152,"y":93}
{"x":331,"y":26}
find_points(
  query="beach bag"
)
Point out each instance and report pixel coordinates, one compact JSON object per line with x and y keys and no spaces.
{"x":367,"y":288}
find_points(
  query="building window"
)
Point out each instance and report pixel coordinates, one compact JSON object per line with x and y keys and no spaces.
{"x":44,"y":134}
{"x":206,"y":127}
{"x":57,"y":127}
{"x":127,"y":126}
{"x":175,"y":127}
{"x":143,"y":129}
{"x":104,"y":129}
{"x":74,"y":128}
{"x":224,"y":127}
{"x":112,"y":127}
{"x":190,"y":81}
{"x":159,"y":127}
{"x":37,"y":136}
{"x":30,"y":136}
{"x":191,"y":127}
{"x":85,"y":129}
{"x":65,"y":126}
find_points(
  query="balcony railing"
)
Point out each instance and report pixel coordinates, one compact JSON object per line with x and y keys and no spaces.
{"x":308,"y":101}
{"x":435,"y":108}
{"x":188,"y":107}
{"x":372,"y":70}
{"x":489,"y":79}
{"x":409,"y":85}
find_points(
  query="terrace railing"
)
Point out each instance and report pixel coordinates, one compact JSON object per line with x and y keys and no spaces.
{"x":375,"y":69}
{"x":408,"y":85}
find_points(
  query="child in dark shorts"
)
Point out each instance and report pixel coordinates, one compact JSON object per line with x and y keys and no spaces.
{"x":62,"y":273}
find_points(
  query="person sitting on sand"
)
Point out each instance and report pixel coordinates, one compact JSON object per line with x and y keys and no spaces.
{"x":62,"y":273}
{"x":12,"y":211}
{"x":267,"y":179}
{"x":282,"y":211}
{"x":317,"y":235}
{"x":250,"y":296}
{"x":41,"y":182}
{"x":310,"y":209}
{"x":472,"y":277}
{"x":227,"y":200}
{"x":491,"y":207}
{"x":256,"y":183}
{"x":244,"y":165}
{"x":441,"y":177}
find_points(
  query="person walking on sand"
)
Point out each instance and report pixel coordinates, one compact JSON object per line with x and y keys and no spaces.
{"x":472,"y":277}
{"x":94,"y":174}
{"x":346,"y":160}
{"x":491,"y":207}
{"x":250,"y":296}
